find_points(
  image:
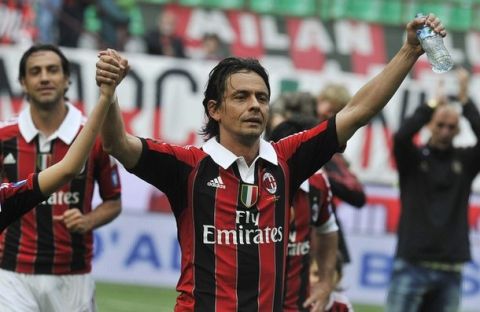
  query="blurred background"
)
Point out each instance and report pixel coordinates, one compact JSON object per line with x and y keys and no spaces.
{"x":304,"y":44}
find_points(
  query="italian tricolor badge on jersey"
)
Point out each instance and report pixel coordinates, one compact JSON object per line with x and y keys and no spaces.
{"x":249,"y":195}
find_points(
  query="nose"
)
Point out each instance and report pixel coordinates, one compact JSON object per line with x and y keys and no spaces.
{"x":254,"y":103}
{"x":44,"y":77}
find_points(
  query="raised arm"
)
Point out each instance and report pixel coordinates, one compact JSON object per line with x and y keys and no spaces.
{"x":470,"y":110}
{"x":372,"y":97}
{"x":53,"y":177}
{"x":125,"y":147}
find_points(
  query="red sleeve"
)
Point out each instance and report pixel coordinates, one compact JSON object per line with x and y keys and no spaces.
{"x":18,"y":198}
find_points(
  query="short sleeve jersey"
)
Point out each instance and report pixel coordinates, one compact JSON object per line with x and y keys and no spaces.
{"x":232,"y":226}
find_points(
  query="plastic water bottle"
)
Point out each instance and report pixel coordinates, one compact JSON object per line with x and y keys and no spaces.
{"x":432,"y":43}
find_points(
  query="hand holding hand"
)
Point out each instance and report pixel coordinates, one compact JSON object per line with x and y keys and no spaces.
{"x":111,"y":69}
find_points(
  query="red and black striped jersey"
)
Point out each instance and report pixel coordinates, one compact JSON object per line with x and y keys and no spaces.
{"x":35,"y":244}
{"x":311,"y":207}
{"x":338,"y":302}
{"x":233,"y":219}
{"x":17,"y":198}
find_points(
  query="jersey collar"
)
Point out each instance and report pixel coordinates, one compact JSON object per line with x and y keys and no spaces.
{"x":66,"y":132}
{"x":225,"y":158}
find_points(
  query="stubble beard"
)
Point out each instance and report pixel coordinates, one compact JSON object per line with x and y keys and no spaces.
{"x":46,"y":105}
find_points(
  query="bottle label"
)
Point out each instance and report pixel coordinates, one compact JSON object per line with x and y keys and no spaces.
{"x":425,"y":32}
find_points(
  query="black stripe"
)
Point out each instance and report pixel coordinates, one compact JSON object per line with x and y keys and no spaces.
{"x":13,"y":235}
{"x":277,"y":172}
{"x":204,"y":198}
{"x":45,"y":240}
{"x":79,"y":248}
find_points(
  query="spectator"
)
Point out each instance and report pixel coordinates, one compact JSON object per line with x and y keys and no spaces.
{"x":71,"y":22}
{"x":344,"y":183}
{"x":212,"y":48}
{"x":435,"y":186}
{"x":17,"y":25}
{"x":163,"y":40}
{"x":115,"y":24}
{"x":46,"y":14}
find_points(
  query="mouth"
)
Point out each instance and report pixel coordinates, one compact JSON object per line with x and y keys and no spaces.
{"x":255,"y":120}
{"x":46,"y":90}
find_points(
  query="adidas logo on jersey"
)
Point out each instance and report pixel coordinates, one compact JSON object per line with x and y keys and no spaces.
{"x":217,"y":182}
{"x":9,"y":160}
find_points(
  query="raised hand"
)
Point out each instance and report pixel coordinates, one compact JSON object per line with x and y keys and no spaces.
{"x":111,"y":68}
{"x":430,"y":20}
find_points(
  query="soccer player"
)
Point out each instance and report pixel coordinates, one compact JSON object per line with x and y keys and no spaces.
{"x":45,"y":256}
{"x":231,"y":198}
{"x":311,"y":208}
{"x":17,"y":198}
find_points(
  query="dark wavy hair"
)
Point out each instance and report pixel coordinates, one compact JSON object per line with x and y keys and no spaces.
{"x":216,"y":86}
{"x":42,"y":47}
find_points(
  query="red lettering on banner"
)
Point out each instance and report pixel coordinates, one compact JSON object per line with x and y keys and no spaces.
{"x":421,"y":66}
{"x":157,"y":132}
{"x":361,"y":62}
{"x":474,"y":217}
{"x":367,"y":146}
{"x":17,"y":104}
{"x":311,"y":57}
{"x":249,"y":41}
{"x":128,"y":117}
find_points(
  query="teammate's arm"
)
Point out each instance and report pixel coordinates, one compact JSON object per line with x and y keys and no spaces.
{"x":125,"y":147}
{"x":372,"y":97}
{"x":325,"y":256}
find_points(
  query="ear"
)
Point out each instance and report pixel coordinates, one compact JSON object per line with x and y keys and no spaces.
{"x":22,"y":83}
{"x":213,"y":110}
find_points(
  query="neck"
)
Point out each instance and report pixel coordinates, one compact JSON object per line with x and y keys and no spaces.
{"x":48,"y":121}
{"x":248,"y":149}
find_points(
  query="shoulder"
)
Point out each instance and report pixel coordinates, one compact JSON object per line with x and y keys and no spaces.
{"x":9,"y":127}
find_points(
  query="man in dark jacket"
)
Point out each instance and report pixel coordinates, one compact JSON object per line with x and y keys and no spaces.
{"x":435,"y":185}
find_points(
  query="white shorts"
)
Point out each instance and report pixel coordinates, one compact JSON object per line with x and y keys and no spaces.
{"x":46,"y":293}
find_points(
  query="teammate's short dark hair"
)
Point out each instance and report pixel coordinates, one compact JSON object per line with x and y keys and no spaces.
{"x":42,"y":47}
{"x":217,"y":84}
{"x":292,"y":126}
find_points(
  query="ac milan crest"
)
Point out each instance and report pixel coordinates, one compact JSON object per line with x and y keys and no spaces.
{"x":269,"y":183}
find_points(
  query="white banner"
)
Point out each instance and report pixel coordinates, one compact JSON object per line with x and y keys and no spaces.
{"x":161,"y":98}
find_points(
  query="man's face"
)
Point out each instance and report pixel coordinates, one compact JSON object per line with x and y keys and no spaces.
{"x":44,"y":82}
{"x":444,"y":127}
{"x":243,"y":114}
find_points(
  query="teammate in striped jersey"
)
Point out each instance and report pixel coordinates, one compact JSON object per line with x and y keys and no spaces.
{"x":17,"y":198}
{"x":46,"y":253}
{"x":231,"y":198}
{"x":313,"y":233}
